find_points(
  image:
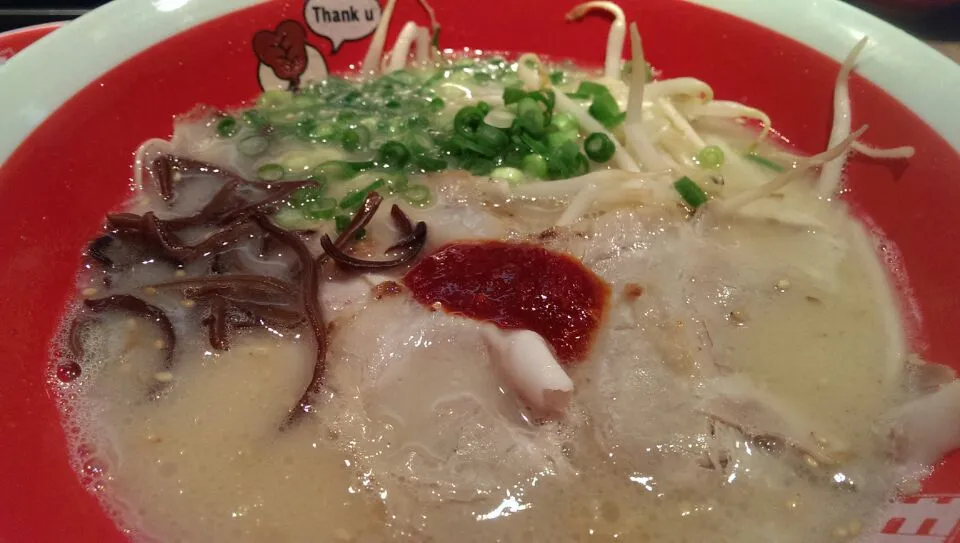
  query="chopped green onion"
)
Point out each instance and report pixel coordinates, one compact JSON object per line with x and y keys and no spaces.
{"x":395,"y":182}
{"x":765,"y":162}
{"x":564,"y":121}
{"x":302,"y":197}
{"x":483,"y":107}
{"x":530,"y":117}
{"x":475,"y":146}
{"x":418,"y":195}
{"x":467,"y":120}
{"x":271,"y":172}
{"x":429,"y":164}
{"x":310,"y":130}
{"x":512,"y":95}
{"x":558,"y":138}
{"x":545,"y":97}
{"x":599,"y":147}
{"x":227,"y":127}
{"x":565,"y":160}
{"x":580,"y":165}
{"x":535,"y":165}
{"x":393,"y":154}
{"x":322,"y":209}
{"x":482,"y":78}
{"x":492,"y":137}
{"x":589,"y":88}
{"x":253,"y":118}
{"x":605,"y":109}
{"x":511,"y":175}
{"x":710,"y":157}
{"x":691,"y":193}
{"x":478,"y":165}
{"x":557,"y":77}
{"x":253,"y":145}
{"x":437,"y":104}
{"x":275,"y":98}
{"x":355,"y":199}
{"x":534,"y":145}
{"x":335,"y":170}
{"x":355,"y":139}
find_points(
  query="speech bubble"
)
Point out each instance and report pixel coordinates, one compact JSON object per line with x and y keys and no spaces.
{"x":342,"y":20}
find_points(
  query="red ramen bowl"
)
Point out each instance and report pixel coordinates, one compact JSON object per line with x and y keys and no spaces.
{"x":14,"y":41}
{"x":77,"y":104}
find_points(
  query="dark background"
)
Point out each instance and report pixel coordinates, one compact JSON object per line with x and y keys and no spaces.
{"x":938,"y":24}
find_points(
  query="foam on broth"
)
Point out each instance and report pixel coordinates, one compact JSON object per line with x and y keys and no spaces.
{"x":416,"y":438}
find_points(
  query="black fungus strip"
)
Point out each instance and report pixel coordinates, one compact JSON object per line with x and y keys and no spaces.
{"x":353,"y":263}
{"x":216,"y":322}
{"x":139,"y":308}
{"x":255,"y":285}
{"x":360,"y":219}
{"x":414,"y":241}
{"x":310,"y":291}
{"x":401,"y":220}
{"x":166,"y":166}
{"x":97,"y":250}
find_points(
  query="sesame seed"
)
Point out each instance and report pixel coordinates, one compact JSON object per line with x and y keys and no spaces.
{"x":89,"y":292}
{"x":150,"y":290}
{"x":783,"y":285}
{"x":163,"y":376}
{"x":180,"y":273}
{"x":188,"y":303}
{"x":159,"y":344}
{"x":811,"y":461}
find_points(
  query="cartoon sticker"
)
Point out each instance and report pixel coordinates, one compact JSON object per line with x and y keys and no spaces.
{"x":342,"y":20}
{"x":286,"y":60}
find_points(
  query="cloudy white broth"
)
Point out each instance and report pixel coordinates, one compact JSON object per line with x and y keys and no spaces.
{"x":475,"y":297}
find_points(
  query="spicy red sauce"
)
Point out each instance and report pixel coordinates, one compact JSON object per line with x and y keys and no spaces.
{"x":516,"y":286}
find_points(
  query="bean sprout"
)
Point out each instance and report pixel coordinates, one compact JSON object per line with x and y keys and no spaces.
{"x":401,"y":47}
{"x":782,"y":180}
{"x":140,"y":158}
{"x":614,"y":58}
{"x":832,"y":174}
{"x":636,"y":137}
{"x":371,"y":62}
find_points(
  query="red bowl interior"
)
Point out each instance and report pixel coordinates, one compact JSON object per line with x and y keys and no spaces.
{"x":14,"y":41}
{"x":56,"y":188}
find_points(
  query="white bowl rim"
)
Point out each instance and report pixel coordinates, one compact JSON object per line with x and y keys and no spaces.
{"x":918,"y":76}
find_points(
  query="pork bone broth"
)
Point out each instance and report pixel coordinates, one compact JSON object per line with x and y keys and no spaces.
{"x":471,"y":299}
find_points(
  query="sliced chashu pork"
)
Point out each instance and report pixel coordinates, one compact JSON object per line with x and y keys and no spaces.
{"x":426,"y":413}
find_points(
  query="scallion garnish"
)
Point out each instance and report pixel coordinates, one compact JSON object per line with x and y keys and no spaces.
{"x":393,"y":154}
{"x":354,"y":199}
{"x":535,"y":165}
{"x":271,"y":172}
{"x":253,"y":145}
{"x":763,"y":161}
{"x":418,"y":195}
{"x":691,"y":193}
{"x":227,"y":127}
{"x":599,"y":147}
{"x":322,"y":209}
{"x":710,"y":157}
{"x":335,"y":170}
